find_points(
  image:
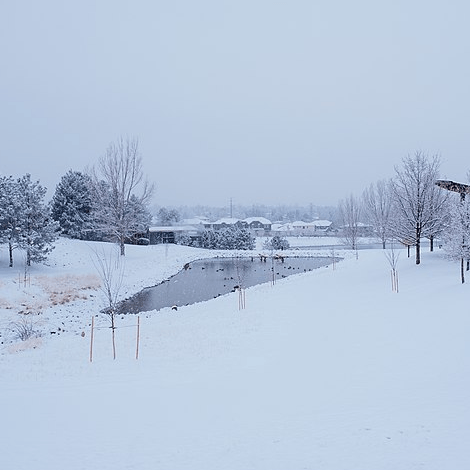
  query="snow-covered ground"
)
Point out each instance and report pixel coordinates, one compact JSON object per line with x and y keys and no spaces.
{"x":324,"y":370}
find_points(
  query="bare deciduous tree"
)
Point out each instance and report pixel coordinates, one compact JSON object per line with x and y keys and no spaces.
{"x":118,"y":208}
{"x":456,"y":236}
{"x":417,"y":207}
{"x":350,"y":212}
{"x":392,"y":258}
{"x":378,"y":208}
{"x":111,"y":271}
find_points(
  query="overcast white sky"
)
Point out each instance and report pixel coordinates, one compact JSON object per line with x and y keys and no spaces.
{"x":264,"y":101}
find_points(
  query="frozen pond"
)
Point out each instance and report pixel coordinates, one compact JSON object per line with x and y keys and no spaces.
{"x":205,"y":279}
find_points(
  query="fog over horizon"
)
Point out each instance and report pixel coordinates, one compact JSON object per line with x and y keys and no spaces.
{"x":265,"y":102}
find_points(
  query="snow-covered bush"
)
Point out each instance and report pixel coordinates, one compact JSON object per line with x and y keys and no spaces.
{"x":230,"y":238}
{"x":276,"y":243}
{"x":186,"y":240}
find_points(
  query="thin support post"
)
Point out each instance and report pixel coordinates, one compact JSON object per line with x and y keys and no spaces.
{"x":91,"y":338}
{"x":137,"y":339}
{"x":241,"y":298}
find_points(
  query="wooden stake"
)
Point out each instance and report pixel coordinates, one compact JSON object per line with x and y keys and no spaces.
{"x":138,"y":338}
{"x":91,"y":338}
{"x":114,"y":344}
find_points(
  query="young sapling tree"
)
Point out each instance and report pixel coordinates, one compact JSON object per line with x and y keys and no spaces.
{"x":392,"y":257}
{"x":111,"y":270}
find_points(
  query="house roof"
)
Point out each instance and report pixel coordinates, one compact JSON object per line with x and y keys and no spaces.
{"x":301,"y":223}
{"x":195,"y":221}
{"x":261,"y":220}
{"x":226,"y":221}
{"x":322,"y":223}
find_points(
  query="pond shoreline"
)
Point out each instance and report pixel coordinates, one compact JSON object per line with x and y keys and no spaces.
{"x":239,"y":272}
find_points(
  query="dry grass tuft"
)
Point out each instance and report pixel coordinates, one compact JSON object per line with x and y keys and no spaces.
{"x":67,"y":288}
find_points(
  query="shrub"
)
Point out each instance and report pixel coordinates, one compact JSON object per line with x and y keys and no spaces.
{"x":24,"y":329}
{"x":277,"y":243}
{"x":230,"y":238}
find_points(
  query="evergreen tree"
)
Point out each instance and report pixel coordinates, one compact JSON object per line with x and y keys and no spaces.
{"x":209,"y":239}
{"x":72,"y":204}
{"x":244,"y":240}
{"x":36,"y":230}
{"x":11,"y":213}
{"x":277,"y":243}
{"x":230,"y":238}
{"x":139,"y":215}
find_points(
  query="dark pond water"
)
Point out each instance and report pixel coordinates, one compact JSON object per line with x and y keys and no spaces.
{"x":210,"y":278}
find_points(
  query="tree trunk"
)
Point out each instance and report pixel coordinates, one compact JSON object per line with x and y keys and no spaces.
{"x":431,"y":243}
{"x":10,"y":249}
{"x":418,"y":251}
{"x":462,"y":271}
{"x":418,"y":243}
{"x":113,"y":335}
{"x":121,"y":245}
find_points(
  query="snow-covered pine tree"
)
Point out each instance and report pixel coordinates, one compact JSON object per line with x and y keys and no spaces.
{"x":139,"y":215}
{"x":277,"y":243}
{"x":244,"y":239}
{"x":72,"y":204}
{"x":11,"y":212}
{"x":37,"y":231}
{"x":226,"y":238}
{"x":209,"y":239}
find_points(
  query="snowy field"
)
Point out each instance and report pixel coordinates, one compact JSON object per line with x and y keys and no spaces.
{"x":325,"y":370}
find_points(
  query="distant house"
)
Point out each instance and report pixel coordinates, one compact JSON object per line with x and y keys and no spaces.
{"x":170,"y":234}
{"x":258,"y":224}
{"x":255,"y":224}
{"x":322,"y":225}
{"x":227,"y":222}
{"x":362,"y":230}
{"x":301,"y":228}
